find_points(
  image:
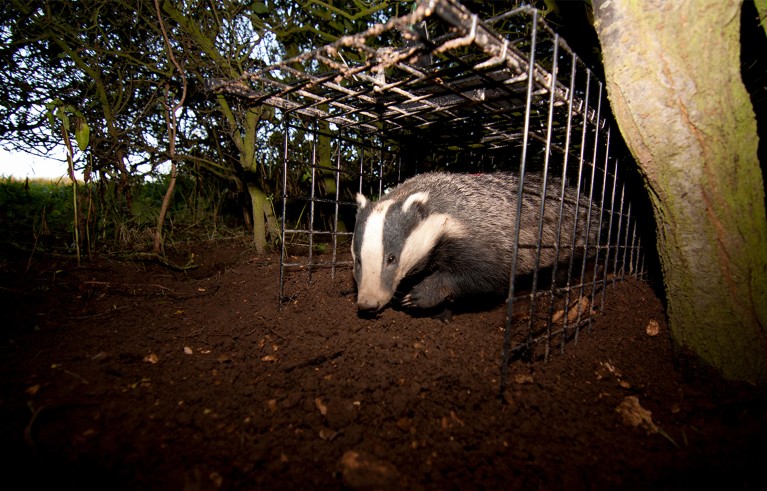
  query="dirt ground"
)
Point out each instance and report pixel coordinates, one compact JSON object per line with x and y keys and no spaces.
{"x":129,"y":375}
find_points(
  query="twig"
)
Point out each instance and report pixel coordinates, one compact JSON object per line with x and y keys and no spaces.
{"x":28,"y":428}
{"x":124,"y":285}
{"x":317,"y":360}
{"x":107,"y":312}
{"x":151,"y":256}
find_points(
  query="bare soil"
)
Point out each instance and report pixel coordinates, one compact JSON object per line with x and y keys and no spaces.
{"x":130,"y":375}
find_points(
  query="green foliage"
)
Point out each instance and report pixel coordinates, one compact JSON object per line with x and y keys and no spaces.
{"x":37,"y":215}
{"x":35,"y":209}
{"x":98,"y":70}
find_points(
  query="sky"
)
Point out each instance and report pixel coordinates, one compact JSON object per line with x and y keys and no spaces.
{"x":21,"y":165}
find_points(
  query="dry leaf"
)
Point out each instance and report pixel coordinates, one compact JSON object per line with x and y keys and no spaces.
{"x":405,"y":424}
{"x":328,"y":434}
{"x":580,"y":306}
{"x":523,"y":378}
{"x":611,"y":368}
{"x":216,"y":478}
{"x":322,"y":407}
{"x":653,"y":328}
{"x":360,"y":471}
{"x":635,"y":415}
{"x":456,"y":418}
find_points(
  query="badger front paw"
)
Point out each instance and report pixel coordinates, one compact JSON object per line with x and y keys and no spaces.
{"x":430,"y":293}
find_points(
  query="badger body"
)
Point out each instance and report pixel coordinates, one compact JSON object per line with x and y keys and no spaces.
{"x":441,"y":237}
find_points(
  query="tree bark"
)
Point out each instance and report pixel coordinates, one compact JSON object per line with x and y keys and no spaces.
{"x":673,"y":80}
{"x":263,"y":216}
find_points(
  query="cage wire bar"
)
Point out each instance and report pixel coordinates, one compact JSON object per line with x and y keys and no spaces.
{"x":451,"y":92}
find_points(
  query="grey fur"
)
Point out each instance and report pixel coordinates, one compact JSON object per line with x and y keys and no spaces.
{"x":475,"y":259}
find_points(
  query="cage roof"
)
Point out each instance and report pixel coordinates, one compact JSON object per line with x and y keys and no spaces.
{"x":440,"y":73}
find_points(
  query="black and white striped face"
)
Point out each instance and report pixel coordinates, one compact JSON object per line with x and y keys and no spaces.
{"x":391,"y":239}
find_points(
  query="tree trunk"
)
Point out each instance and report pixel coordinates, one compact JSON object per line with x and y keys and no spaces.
{"x":761,"y":8}
{"x":673,"y":79}
{"x":263,"y":215}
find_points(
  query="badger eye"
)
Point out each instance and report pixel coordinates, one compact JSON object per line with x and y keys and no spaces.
{"x":391,"y":259}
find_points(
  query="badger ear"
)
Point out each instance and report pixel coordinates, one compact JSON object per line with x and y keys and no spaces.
{"x":362,"y":202}
{"x":417,"y":203}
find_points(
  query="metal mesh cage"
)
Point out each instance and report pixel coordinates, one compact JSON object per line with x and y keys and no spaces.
{"x":454,"y":93}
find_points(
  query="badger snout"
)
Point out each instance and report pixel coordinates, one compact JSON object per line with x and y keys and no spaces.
{"x":369,"y":305}
{"x":371,"y":301}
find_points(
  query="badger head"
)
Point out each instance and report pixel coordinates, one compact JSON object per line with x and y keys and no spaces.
{"x":393,"y":238}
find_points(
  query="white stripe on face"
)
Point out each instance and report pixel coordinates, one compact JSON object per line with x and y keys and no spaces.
{"x":423,"y":239}
{"x":370,"y":291}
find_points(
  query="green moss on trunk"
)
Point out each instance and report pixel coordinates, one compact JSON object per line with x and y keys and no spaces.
{"x":673,"y":79}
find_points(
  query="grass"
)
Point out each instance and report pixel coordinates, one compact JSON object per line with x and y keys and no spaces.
{"x":37,"y":216}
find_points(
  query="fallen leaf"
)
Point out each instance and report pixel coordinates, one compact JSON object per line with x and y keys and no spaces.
{"x":653,"y":328}
{"x":456,"y":418}
{"x":635,"y":415}
{"x":405,"y":424}
{"x":328,"y":434}
{"x":216,"y":478}
{"x":322,"y":407}
{"x":361,"y":471}
{"x":580,"y":306}
{"x":523,"y":378}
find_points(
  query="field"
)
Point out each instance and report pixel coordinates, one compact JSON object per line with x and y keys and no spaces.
{"x":126,"y":374}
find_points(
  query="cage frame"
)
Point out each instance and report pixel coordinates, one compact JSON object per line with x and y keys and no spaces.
{"x":363,"y":97}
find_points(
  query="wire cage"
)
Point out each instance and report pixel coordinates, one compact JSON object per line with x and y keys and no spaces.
{"x":451,"y":92}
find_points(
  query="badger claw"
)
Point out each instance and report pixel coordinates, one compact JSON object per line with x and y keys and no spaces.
{"x":444,"y":316}
{"x":426,"y":295}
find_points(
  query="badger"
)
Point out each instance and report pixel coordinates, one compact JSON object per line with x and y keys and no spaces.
{"x":439,"y":237}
